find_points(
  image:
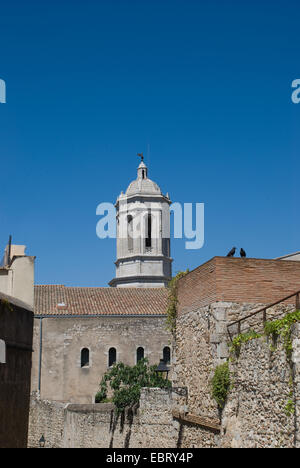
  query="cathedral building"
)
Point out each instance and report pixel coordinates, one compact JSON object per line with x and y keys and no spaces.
{"x":79,"y":332}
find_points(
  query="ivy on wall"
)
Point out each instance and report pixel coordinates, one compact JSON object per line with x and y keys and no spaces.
{"x":173,"y":301}
{"x":275,"y":329}
{"x":240,"y":339}
{"x":283,"y":328}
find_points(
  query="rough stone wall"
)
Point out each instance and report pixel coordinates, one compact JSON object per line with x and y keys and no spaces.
{"x":47,"y":419}
{"x":296,"y":381}
{"x":263,"y":382}
{"x":62,"y":377}
{"x":254,"y":415}
{"x":201,"y":344}
{"x":16,"y":324}
{"x":89,"y":426}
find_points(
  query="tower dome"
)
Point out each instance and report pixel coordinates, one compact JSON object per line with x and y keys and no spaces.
{"x":143,"y":234}
{"x":142,"y":184}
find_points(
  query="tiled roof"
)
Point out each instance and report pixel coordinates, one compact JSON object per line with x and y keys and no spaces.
{"x":62,"y":300}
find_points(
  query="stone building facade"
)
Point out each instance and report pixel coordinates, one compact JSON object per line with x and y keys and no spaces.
{"x":80,"y":332}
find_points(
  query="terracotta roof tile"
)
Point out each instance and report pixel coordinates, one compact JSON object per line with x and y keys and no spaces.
{"x":62,"y":300}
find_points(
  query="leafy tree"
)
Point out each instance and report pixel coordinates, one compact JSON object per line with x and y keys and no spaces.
{"x":126,"y":383}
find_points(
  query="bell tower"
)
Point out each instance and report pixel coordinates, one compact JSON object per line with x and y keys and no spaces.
{"x":143,"y":234}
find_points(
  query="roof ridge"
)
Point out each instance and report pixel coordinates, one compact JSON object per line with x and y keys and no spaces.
{"x":108,"y":288}
{"x":61,"y":285}
{"x":81,"y":300}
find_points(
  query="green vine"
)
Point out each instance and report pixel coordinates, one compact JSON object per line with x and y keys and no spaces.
{"x":277,"y":328}
{"x":290,"y":405}
{"x":283,"y":328}
{"x":220,"y":384}
{"x":173,"y":301}
{"x":241,"y":339}
{"x":126,"y":383}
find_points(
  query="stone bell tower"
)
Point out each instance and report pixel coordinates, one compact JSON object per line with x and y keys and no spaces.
{"x":143,"y":235}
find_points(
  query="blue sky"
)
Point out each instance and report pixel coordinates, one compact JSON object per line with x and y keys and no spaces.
{"x":203,"y":88}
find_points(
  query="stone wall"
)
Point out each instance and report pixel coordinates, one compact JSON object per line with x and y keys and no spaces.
{"x":201,"y":344}
{"x":89,"y":426}
{"x":255,"y":415}
{"x":47,"y":419}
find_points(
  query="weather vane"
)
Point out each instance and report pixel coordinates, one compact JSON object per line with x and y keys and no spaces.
{"x":141,"y":156}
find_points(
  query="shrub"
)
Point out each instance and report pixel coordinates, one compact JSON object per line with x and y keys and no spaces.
{"x":220,"y":384}
{"x":126,"y":383}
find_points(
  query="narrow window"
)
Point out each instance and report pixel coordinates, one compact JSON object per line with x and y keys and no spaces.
{"x":148,"y":231}
{"x":167,"y":355}
{"x":130,"y":232}
{"x":85,"y":357}
{"x":112,"y":356}
{"x":139,"y":354}
{"x":143,"y":174}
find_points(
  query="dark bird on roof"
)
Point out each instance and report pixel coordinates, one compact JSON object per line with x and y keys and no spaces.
{"x":232,"y":252}
{"x":242,"y":253}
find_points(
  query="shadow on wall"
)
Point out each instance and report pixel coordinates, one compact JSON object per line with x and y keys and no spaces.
{"x":128,"y":417}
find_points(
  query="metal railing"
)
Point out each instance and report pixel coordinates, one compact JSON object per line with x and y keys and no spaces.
{"x":263,"y":311}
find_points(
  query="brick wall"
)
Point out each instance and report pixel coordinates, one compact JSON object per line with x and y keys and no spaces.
{"x":198,"y":288}
{"x":250,"y":280}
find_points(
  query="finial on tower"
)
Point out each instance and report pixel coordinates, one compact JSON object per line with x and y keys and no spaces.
{"x":141,"y":156}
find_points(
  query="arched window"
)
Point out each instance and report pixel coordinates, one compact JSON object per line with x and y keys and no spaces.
{"x":148,"y":230}
{"x":130,"y":232}
{"x":167,"y":355}
{"x":85,"y":357}
{"x":139,"y":354}
{"x":112,"y":356}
